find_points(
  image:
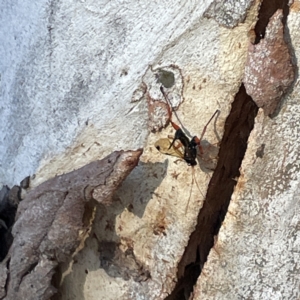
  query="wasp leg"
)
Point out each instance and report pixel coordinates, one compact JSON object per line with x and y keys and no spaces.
{"x":193,"y":181}
{"x":204,"y":129}
{"x":178,"y":144}
{"x":179,"y":135}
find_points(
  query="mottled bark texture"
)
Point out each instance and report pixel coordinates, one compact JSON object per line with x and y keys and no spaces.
{"x":228,"y":13}
{"x":269,"y":71}
{"x":53,"y":219}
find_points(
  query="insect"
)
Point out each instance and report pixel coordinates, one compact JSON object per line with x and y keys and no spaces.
{"x":189,"y":146}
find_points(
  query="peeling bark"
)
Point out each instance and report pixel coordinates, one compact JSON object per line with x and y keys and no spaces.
{"x":52,"y":221}
{"x":269,"y":71}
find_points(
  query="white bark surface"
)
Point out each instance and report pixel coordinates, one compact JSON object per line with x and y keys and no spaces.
{"x":76,"y":82}
{"x":64,"y":64}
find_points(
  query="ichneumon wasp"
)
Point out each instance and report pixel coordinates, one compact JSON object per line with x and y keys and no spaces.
{"x":189,"y":145}
{"x":186,"y":149}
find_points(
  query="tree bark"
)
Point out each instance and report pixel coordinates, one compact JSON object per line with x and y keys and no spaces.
{"x":84,"y":79}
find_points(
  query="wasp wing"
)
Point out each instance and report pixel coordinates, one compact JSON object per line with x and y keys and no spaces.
{"x":163,"y":146}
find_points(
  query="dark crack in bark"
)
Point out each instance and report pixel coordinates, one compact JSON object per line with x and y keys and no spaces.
{"x":266,"y":11}
{"x":233,"y":146}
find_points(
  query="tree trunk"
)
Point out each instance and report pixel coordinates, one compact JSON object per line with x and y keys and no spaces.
{"x":85,"y":79}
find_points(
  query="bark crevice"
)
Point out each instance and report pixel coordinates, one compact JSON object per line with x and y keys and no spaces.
{"x":233,"y":146}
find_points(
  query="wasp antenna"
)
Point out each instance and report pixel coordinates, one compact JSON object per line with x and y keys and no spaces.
{"x":166,"y":98}
{"x":170,"y":111}
{"x":168,"y":103}
{"x":204,"y":129}
{"x":164,"y":94}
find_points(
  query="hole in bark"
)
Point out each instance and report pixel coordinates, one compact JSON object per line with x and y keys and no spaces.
{"x":166,"y":78}
{"x":266,"y":11}
{"x":233,"y":146}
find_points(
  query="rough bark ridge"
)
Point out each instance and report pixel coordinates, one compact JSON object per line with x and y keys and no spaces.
{"x":52,"y":221}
